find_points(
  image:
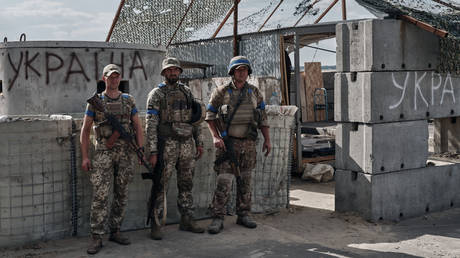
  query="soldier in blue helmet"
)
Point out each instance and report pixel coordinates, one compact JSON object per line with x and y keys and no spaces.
{"x":234,"y":113}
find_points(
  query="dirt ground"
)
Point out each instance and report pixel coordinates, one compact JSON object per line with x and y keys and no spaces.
{"x":309,"y":228}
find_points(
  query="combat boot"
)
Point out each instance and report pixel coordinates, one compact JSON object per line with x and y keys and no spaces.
{"x":216,"y":226}
{"x":95,"y":245}
{"x":246,"y":221}
{"x":188,"y":224}
{"x":116,"y":237}
{"x":155,"y":231}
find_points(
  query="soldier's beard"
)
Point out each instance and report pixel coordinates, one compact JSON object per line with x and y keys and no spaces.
{"x":172,"y":80}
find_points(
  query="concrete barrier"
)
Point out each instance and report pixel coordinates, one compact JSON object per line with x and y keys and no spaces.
{"x":49,"y":77}
{"x":36,"y":184}
{"x":385,"y":45}
{"x":398,"y":195}
{"x":35,"y":189}
{"x":379,"y":97}
{"x":381,"y":148}
{"x":385,"y":91}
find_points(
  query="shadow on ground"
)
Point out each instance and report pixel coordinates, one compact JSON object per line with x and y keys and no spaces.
{"x":298,"y":231}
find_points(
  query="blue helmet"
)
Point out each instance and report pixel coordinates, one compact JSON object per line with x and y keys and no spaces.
{"x":237,"y":61}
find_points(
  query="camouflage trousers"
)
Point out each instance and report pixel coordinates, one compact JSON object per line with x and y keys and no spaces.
{"x":178,"y":156}
{"x":245,"y":150}
{"x":110,"y":166}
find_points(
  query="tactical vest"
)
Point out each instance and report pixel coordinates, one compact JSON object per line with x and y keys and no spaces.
{"x":175,"y":112}
{"x":121,"y":108}
{"x":244,"y":122}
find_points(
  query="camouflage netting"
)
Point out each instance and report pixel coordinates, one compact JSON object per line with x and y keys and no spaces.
{"x":443,"y":16}
{"x":154,"y":21}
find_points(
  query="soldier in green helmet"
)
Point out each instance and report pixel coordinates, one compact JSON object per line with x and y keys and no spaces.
{"x":107,"y":156}
{"x":170,"y":124}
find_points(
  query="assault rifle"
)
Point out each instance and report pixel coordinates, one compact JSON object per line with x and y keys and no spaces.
{"x":155,"y":176}
{"x":119,"y":131}
{"x":230,"y":155}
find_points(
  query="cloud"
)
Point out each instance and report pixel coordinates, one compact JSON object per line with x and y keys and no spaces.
{"x":56,"y":20}
{"x":41,"y":8}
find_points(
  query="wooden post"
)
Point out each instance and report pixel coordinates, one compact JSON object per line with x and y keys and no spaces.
{"x":276,"y":8}
{"x":115,"y":20}
{"x":235,"y":29}
{"x":344,"y":10}
{"x":224,"y":21}
{"x":284,"y":82}
{"x":297,"y":94}
{"x":326,"y":11}
{"x":305,"y":13}
{"x":180,"y":23}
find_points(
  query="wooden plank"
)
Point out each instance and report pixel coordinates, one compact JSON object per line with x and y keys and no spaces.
{"x":313,"y":80}
{"x":318,"y":159}
{"x":303,"y":101}
{"x":284,"y":82}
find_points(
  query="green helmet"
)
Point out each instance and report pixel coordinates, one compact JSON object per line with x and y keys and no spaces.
{"x":170,"y":62}
{"x":238,"y":61}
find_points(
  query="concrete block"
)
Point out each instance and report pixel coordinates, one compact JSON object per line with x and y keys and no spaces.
{"x":378,"y":97}
{"x":381,"y":148}
{"x":398,"y":195}
{"x":78,"y":68}
{"x":385,"y":45}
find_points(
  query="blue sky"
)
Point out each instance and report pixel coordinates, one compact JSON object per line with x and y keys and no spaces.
{"x":90,"y":20}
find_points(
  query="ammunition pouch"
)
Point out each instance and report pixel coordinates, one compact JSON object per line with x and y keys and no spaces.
{"x":176,"y":130}
{"x":103,"y":131}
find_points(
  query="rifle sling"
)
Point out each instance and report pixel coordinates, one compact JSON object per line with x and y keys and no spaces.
{"x":225,"y":157}
{"x":238,"y":103}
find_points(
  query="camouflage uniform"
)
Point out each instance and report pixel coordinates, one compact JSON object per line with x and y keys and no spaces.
{"x":168,"y":115}
{"x":111,"y":165}
{"x":249,"y":116}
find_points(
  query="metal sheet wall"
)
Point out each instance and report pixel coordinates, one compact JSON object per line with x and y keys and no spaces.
{"x":262,"y":50}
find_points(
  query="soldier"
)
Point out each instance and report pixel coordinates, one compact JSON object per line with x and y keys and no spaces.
{"x":171,"y":133}
{"x":107,"y":156}
{"x":234,"y":113}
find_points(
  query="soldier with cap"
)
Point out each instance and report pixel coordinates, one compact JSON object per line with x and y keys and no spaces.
{"x":234,"y":113}
{"x":173,"y":131}
{"x":111,"y":162}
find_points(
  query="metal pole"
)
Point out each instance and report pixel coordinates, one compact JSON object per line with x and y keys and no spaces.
{"x":276,"y":8}
{"x":298,"y":104}
{"x":235,"y":29}
{"x":326,"y":11}
{"x":344,"y":10}
{"x":115,"y":20}
{"x":180,"y":23}
{"x":224,"y":21}
{"x":323,"y":49}
{"x":305,"y":13}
